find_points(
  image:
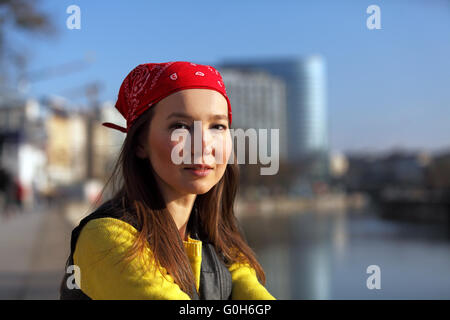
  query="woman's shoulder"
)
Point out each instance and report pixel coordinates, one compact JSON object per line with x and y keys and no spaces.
{"x":109,"y":226}
{"x":111,"y":212}
{"x":109,"y":223}
{"x":104,"y":233}
{"x":104,"y":236}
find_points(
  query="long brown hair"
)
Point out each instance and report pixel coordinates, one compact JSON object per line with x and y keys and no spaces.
{"x":133,"y":181}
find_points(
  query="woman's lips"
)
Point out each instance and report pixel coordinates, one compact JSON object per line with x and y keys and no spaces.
{"x":199,"y":171}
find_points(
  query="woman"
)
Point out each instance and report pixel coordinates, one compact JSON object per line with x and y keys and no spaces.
{"x":169,"y":232}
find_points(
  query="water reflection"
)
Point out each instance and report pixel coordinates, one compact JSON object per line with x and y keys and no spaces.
{"x":317,"y":255}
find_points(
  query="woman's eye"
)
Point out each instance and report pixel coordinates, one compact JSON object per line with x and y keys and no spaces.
{"x":220,"y":127}
{"x":180,"y":126}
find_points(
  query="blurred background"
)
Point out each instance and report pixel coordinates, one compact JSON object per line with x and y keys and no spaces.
{"x":364,"y":119}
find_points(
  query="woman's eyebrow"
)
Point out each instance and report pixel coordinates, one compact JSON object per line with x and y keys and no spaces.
{"x":179,"y":115}
{"x":184,"y":115}
{"x":219,"y":116}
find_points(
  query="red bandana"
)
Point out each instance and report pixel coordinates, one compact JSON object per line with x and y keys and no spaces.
{"x":149,"y":83}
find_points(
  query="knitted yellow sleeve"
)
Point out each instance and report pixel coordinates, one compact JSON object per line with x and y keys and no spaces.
{"x":246,"y":285}
{"x":99,"y":254}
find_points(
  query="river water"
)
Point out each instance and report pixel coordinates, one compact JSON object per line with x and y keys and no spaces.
{"x":325,"y":255}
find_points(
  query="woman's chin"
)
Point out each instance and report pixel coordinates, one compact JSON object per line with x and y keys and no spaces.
{"x":198,"y":187}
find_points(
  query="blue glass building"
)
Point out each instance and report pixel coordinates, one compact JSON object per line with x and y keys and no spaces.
{"x":307,"y":117}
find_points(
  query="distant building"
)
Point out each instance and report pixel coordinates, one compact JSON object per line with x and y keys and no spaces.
{"x":108,"y":143}
{"x":371,"y":173}
{"x":22,"y":142}
{"x":45,"y":147}
{"x":438,"y":174}
{"x":66,"y":148}
{"x":108,"y":113}
{"x":258,"y":101}
{"x":307,"y":122}
{"x":75,"y":153}
{"x":338,"y":164}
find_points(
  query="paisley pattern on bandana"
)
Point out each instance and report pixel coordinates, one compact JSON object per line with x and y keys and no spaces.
{"x":148,"y":83}
{"x":159,"y":74}
{"x":134,"y":86}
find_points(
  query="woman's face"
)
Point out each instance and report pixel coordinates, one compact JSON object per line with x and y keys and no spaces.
{"x":179,"y":111}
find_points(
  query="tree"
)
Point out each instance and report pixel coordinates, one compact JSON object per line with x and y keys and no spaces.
{"x":21,"y":16}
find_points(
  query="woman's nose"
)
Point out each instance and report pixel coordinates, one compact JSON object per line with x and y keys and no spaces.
{"x":207,"y":141}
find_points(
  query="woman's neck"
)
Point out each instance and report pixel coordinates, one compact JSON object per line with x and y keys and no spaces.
{"x":180,"y":209}
{"x":178,"y":205}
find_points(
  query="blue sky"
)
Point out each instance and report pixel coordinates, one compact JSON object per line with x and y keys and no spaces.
{"x":387,"y":88}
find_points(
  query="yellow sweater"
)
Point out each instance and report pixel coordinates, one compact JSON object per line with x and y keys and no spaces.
{"x":104,"y":275}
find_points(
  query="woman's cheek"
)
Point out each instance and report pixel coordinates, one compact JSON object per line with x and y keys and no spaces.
{"x":160,"y":148}
{"x":222,"y":155}
{"x":226,"y":149}
{"x":173,"y":146}
{"x":166,"y":146}
{"x":222,"y":148}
